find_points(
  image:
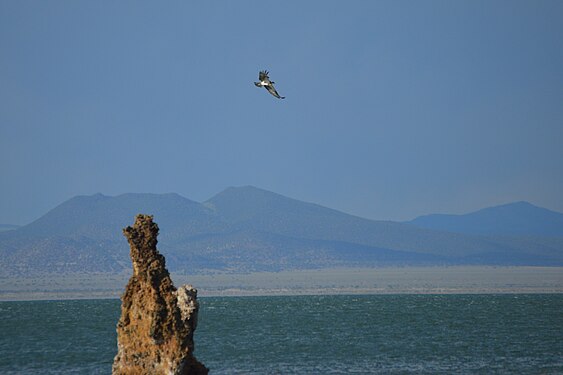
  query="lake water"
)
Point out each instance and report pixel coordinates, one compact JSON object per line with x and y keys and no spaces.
{"x":419,"y":334}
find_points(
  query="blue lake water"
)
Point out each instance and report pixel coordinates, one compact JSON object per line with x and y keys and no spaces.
{"x":419,"y":334}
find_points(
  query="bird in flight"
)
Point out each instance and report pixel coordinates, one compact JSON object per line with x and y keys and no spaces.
{"x":264,"y":81}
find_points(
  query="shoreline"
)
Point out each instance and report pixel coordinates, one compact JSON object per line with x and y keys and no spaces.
{"x":337,"y":281}
{"x":284,"y":293}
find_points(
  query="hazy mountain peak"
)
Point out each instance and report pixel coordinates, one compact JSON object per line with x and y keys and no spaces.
{"x":233,"y":192}
{"x":509,"y":207}
{"x":514,"y":219}
{"x":85,"y":214}
{"x":244,"y":196}
{"x":245,"y":202}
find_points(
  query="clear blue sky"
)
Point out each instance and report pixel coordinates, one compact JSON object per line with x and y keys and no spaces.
{"x":394,"y":108}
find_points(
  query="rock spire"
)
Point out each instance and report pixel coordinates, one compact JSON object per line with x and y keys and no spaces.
{"x":155,"y":330}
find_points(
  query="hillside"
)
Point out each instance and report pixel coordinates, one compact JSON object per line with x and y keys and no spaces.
{"x":513,"y":219}
{"x":247,"y":229}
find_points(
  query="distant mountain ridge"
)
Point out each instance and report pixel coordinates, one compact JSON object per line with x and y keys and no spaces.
{"x":513,"y":219}
{"x":246,"y":229}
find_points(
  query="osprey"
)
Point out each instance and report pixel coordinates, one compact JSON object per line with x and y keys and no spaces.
{"x":264,"y":81}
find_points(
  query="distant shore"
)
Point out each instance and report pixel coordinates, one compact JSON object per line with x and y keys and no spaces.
{"x":389,"y":280}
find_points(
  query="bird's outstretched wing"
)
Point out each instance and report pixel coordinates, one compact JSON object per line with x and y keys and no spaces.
{"x":263,"y":76}
{"x":272,"y":90}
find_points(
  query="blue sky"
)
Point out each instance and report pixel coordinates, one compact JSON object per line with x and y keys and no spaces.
{"x":394,"y":108}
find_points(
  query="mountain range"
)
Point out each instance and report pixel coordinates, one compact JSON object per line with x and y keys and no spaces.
{"x":513,"y":219}
{"x":244,"y":229}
